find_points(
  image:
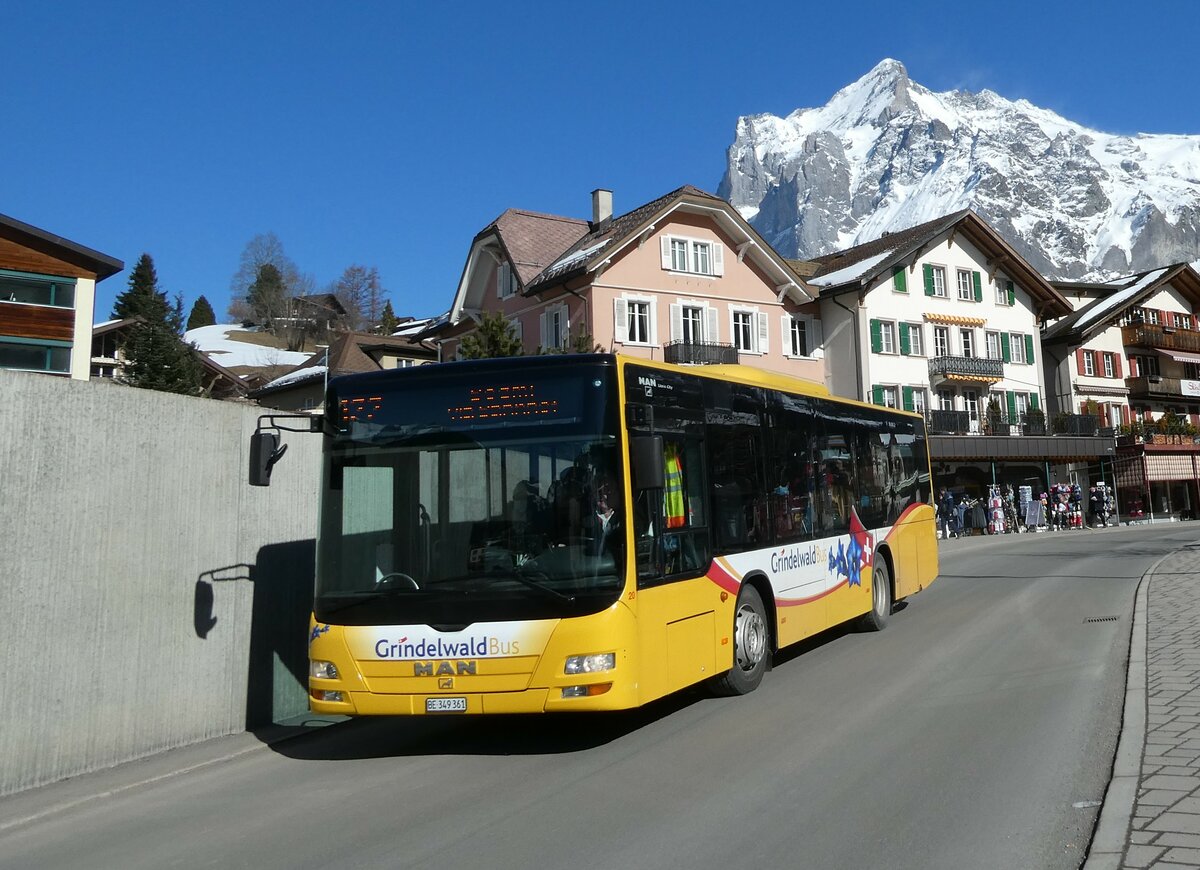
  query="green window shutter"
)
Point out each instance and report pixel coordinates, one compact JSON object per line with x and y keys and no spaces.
{"x":929,"y":291}
{"x":1005,"y":347}
{"x":899,"y":280}
{"x":978,"y":279}
{"x":908,"y":399}
{"x":1012,"y":294}
{"x":877,"y":394}
{"x":1012,"y":405}
{"x":905,"y":341}
{"x":1029,"y":349}
{"x":876,"y":339}
{"x":1033,"y":401}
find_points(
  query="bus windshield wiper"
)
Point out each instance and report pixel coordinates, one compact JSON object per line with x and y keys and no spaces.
{"x":518,"y":574}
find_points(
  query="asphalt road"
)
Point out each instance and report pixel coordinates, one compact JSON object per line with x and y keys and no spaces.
{"x":974,"y":732}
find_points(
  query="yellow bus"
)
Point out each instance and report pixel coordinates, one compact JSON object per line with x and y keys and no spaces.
{"x":593,"y":532}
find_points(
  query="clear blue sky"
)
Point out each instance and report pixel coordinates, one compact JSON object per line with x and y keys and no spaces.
{"x":389,"y":133}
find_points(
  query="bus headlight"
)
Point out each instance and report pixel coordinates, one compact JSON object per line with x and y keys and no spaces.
{"x":322,"y":670}
{"x":591,"y":664}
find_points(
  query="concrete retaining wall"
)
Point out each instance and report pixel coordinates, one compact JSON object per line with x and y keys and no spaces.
{"x":149,"y":597}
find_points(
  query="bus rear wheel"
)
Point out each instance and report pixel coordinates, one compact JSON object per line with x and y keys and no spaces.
{"x":751,"y":646}
{"x":876,"y":618}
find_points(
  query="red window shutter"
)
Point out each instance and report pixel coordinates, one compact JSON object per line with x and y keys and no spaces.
{"x":1079,"y":361}
{"x":1117,"y":365}
{"x":1083,"y":408}
{"x":1125,"y":414}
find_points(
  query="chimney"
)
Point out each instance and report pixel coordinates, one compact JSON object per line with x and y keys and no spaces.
{"x":601,"y":206}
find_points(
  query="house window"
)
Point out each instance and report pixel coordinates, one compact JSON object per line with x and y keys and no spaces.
{"x":945,"y":400}
{"x":679,"y":255}
{"x":1143,"y":366}
{"x":639,"y":322}
{"x":746,"y":331}
{"x":1191,"y":371}
{"x":1021,"y":401}
{"x":916,"y":345}
{"x":941,"y":341}
{"x":693,"y":256}
{"x":556,"y":327}
{"x":36,"y":290}
{"x":1182,"y":321}
{"x":919,"y":403}
{"x":1016,"y":345}
{"x":1001,"y":292}
{"x":887,"y":338}
{"x":37,"y":356}
{"x":799,"y":337}
{"x":939,"y":280}
{"x":693,"y":324}
{"x":1150,"y":315}
{"x":966,"y":292}
{"x":1089,"y":363}
{"x":993,"y":346}
{"x":968,"y":342}
{"x":1109,"y":371}
{"x":888,"y":397}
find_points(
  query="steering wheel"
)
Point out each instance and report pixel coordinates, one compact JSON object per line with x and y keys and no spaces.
{"x":387,"y":580}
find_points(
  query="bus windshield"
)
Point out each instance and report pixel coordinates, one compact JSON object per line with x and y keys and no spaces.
{"x":424,"y":522}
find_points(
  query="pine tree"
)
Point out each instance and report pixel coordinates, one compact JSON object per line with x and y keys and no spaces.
{"x":156,"y":358}
{"x":388,"y":321}
{"x":493,"y":338}
{"x":143,"y":298}
{"x":202,"y":314}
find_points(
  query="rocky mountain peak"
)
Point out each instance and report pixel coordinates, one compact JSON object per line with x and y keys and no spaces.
{"x":886,"y":153}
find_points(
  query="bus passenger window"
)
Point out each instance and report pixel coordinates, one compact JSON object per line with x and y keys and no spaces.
{"x":685,"y":534}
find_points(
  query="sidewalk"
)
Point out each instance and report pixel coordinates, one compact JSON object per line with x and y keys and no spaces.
{"x":1151,"y":813}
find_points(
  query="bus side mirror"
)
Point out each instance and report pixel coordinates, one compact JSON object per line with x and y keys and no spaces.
{"x":265,"y":451}
{"x":646,"y":461}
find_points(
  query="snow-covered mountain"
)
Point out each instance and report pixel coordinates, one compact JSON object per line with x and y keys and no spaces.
{"x":886,"y":153}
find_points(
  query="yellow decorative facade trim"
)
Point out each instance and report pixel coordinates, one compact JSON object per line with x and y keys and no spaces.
{"x":955,"y":319}
{"x":976,"y":378}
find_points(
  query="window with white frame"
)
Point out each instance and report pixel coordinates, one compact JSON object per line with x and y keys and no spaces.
{"x":634,"y":321}
{"x":919,"y":402}
{"x":1144,"y":366}
{"x":556,"y":328}
{"x":1109,"y":368}
{"x":887,"y":338}
{"x":1001,"y":292}
{"x":693,"y":256}
{"x":798,"y":335}
{"x":1182,"y":321}
{"x":945,"y":400}
{"x":916,"y":340}
{"x":966,"y":290}
{"x":1089,"y":363}
{"x":1016,"y":346}
{"x":993,"y":345}
{"x":967,"y":338}
{"x":693,"y":322}
{"x":749,"y":330}
{"x":1150,"y":315}
{"x":889,"y":397}
{"x":939,"y":280}
{"x":941,"y":341}
{"x":1021,"y":402}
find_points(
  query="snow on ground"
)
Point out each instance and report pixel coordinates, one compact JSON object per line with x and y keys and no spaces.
{"x":215,"y":341}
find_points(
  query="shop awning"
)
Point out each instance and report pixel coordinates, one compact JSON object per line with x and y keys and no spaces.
{"x":1171,"y":467}
{"x":955,"y":319}
{"x":1180,"y":356}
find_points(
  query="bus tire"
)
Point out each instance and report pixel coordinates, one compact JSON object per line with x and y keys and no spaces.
{"x":876,"y":619}
{"x":751,"y":646}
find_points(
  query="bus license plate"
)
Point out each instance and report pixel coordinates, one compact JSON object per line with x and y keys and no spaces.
{"x":445,"y":705}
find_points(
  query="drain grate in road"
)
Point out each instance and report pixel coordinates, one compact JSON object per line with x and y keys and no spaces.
{"x":1102,"y":619}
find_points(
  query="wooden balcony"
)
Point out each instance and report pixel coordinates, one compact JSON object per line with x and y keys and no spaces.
{"x":1160,"y":337}
{"x":1157,"y":386}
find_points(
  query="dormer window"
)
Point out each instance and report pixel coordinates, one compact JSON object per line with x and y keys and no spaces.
{"x":506,"y":281}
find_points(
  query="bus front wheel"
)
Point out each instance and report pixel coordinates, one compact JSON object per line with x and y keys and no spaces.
{"x":881,"y":596}
{"x":751,"y":646}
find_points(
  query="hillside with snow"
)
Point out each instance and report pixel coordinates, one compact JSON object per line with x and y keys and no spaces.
{"x":886,"y":153}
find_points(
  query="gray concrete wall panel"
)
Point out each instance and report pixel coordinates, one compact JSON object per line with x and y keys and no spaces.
{"x":150,"y":598}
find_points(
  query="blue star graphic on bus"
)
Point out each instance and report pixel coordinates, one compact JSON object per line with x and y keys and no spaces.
{"x":317,"y":632}
{"x":842,"y":568}
{"x":832,"y":561}
{"x":854,"y":568}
